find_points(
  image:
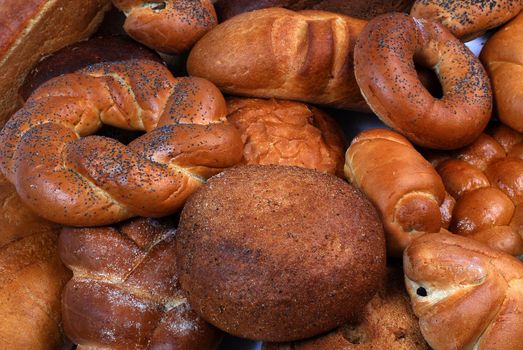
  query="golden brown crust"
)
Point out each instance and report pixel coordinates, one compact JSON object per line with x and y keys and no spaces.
{"x":170,"y":26}
{"x":405,"y":188}
{"x":503,"y":59}
{"x":486,"y":180}
{"x":466,"y":295}
{"x":31,"y":277}
{"x":467,"y":19}
{"x":93,"y":180}
{"x":287,"y":133}
{"x":34,"y":28}
{"x":364,"y":9}
{"x":305,"y":56}
{"x":125,"y":292}
{"x":387,"y":322}
{"x":384,"y":66}
{"x":271,"y":252}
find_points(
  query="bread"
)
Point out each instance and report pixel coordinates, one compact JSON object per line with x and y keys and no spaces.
{"x":31,"y":277}
{"x":125,"y":292}
{"x":81,"y":55}
{"x":170,"y":26}
{"x":32,"y":29}
{"x":407,"y":191}
{"x":387,"y":322}
{"x":467,"y":19}
{"x":466,"y":295}
{"x":304,"y":56}
{"x":365,"y":9}
{"x":271,"y":252}
{"x":486,"y":179}
{"x":384,"y":67}
{"x":287,"y":133}
{"x":94,"y":181}
{"x":503,"y":58}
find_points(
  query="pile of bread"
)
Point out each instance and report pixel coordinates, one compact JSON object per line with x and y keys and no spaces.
{"x":180,"y":176}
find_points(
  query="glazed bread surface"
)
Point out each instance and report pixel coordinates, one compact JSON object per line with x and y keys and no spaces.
{"x":305,"y":56}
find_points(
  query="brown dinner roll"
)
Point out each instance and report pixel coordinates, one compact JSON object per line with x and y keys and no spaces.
{"x":287,"y":133}
{"x":273,"y":252}
{"x":387,"y":322}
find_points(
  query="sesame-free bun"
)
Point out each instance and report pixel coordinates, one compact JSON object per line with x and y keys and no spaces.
{"x":279,"y":253}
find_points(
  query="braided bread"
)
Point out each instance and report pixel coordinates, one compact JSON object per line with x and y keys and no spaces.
{"x":466,"y":295}
{"x":408,"y":193}
{"x":125,"y":293}
{"x":486,"y":179}
{"x":94,"y":180}
{"x":170,"y":26}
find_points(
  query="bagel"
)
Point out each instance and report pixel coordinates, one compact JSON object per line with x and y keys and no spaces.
{"x":92,"y":181}
{"x":169,"y":26}
{"x":384,"y":66}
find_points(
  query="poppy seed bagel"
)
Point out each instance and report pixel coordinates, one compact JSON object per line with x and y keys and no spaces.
{"x":279,"y":253}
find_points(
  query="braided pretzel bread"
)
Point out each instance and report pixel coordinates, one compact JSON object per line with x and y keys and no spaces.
{"x":124,"y":293}
{"x":94,"y":180}
{"x":486,"y":179}
{"x":466,"y":295}
{"x":384,"y":66}
{"x":170,"y":26}
{"x":408,"y":193}
{"x":467,"y":19}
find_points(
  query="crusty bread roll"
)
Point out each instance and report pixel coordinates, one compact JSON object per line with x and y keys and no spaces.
{"x":387,"y":322}
{"x":405,"y":188}
{"x":125,"y":292}
{"x":287,"y":133}
{"x":503,"y":59}
{"x":305,"y":56}
{"x":466,"y":295}
{"x":486,"y":179}
{"x":365,"y":9}
{"x":32,"y":29}
{"x":279,"y":253}
{"x":31,"y":277}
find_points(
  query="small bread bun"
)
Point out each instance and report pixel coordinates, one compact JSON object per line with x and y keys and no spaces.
{"x":279,"y":253}
{"x":287,"y":133}
{"x":387,"y":322}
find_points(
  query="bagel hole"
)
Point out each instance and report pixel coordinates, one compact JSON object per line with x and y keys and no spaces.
{"x":354,"y":334}
{"x":430,"y":81}
{"x":156,"y":6}
{"x":422,"y":292}
{"x":121,"y":135}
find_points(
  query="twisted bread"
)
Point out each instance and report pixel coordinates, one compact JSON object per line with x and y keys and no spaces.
{"x":305,"y":56}
{"x":407,"y":191}
{"x":467,"y":19}
{"x":125,"y":293}
{"x":384,"y":66}
{"x":95,"y":180}
{"x":486,"y":179}
{"x":503,"y":59}
{"x":170,"y":26}
{"x":466,"y":295}
{"x":287,"y":133}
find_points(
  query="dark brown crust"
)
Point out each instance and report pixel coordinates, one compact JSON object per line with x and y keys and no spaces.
{"x":271,"y":252}
{"x":364,"y":9}
{"x":287,"y":133}
{"x":384,"y":66}
{"x":125,"y":291}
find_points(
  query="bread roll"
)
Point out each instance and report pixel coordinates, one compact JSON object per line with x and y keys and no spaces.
{"x":365,"y":9}
{"x":31,"y":29}
{"x":305,"y":56}
{"x":287,"y":133}
{"x":405,"y":188}
{"x":466,"y":295}
{"x":279,"y":253}
{"x":125,"y":292}
{"x":387,"y":322}
{"x":31,"y":277}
